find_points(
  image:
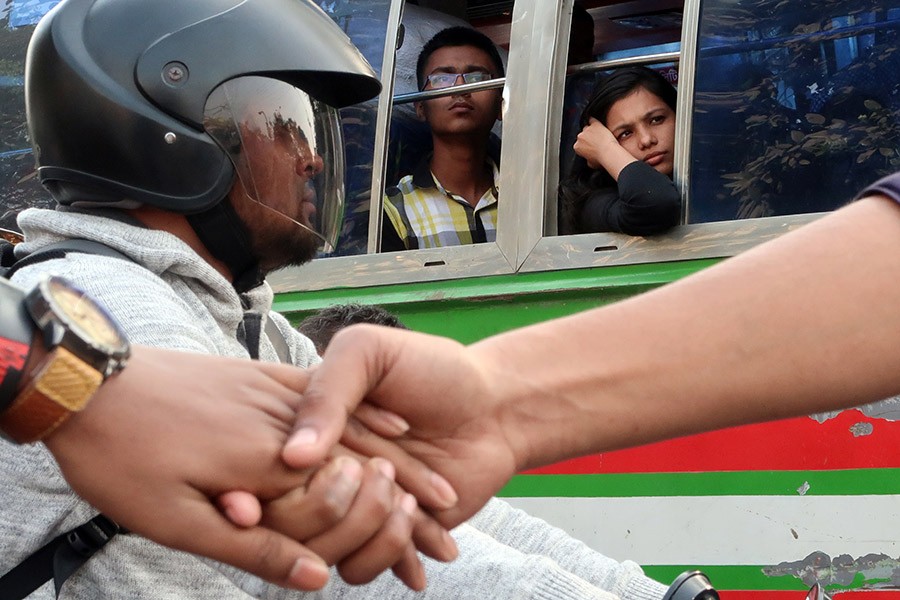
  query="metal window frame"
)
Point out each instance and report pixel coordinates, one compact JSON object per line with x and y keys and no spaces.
{"x":382,"y":125}
{"x":686,"y":242}
{"x":533,"y":93}
{"x":412,"y":265}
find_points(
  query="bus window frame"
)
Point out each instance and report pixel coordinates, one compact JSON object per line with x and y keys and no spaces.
{"x":456,"y":262}
{"x":685,"y":242}
{"x":382,"y":124}
{"x":525,"y":227}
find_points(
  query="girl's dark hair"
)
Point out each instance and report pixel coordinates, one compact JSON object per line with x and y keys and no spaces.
{"x":582,"y":180}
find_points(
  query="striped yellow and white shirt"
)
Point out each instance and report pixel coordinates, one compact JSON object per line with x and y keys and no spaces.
{"x":425,"y":215}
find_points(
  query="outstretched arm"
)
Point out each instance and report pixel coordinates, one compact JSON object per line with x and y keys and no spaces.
{"x":805,"y":323}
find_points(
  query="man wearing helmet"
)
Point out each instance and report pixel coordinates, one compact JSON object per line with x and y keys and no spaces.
{"x":207,"y":164}
{"x":157,"y":142}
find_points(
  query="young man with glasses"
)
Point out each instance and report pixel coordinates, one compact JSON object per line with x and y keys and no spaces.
{"x":451,"y":197}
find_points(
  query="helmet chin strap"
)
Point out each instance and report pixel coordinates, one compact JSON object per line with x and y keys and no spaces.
{"x":226,"y":237}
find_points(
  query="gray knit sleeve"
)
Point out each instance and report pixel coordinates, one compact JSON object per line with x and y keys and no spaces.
{"x":532,"y":535}
{"x":485,"y":569}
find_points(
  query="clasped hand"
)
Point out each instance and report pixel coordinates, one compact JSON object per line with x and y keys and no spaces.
{"x":195,"y":464}
{"x":594,"y":142}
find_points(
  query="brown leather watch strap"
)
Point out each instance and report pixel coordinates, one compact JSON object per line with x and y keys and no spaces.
{"x":63,"y":384}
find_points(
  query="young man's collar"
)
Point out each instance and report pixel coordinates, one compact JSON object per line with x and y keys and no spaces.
{"x":422,"y":177}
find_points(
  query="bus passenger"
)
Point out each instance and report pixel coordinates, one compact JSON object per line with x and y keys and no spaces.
{"x":451,"y":197}
{"x":321,"y":326}
{"x":621,"y":179}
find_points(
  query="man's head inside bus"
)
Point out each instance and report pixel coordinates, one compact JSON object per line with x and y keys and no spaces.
{"x":451,"y":196}
{"x":152,"y":108}
{"x":455,"y":56}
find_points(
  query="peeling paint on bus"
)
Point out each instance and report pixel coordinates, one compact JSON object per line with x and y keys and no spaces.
{"x":888,"y":410}
{"x":872,"y":571}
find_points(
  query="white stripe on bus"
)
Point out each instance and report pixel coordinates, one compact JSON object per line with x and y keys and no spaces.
{"x":726,"y":530}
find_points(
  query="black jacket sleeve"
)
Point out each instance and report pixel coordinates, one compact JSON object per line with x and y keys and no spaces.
{"x":645,"y":202}
{"x":888,"y":186}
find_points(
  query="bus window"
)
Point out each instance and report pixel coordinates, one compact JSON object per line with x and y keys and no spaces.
{"x":19,"y":186}
{"x":796,"y":106}
{"x":410,"y":141}
{"x":410,"y":137}
{"x":634,"y":33}
{"x":365,"y":23}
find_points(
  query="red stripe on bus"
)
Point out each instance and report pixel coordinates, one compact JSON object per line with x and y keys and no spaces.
{"x":851,"y":440}
{"x":784,"y":595}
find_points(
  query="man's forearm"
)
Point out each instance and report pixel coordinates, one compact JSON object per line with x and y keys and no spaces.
{"x":802,"y":324}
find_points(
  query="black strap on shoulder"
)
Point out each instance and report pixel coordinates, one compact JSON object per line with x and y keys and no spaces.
{"x":7,"y":258}
{"x":60,"y":249}
{"x":58,"y":559}
{"x":278,"y":340}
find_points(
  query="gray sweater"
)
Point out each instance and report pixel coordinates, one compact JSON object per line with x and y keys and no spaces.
{"x":168,"y":296}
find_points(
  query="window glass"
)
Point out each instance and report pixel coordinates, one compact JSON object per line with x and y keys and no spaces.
{"x":410,"y":147}
{"x":796,"y":106}
{"x":659,"y":48}
{"x":625,"y":30}
{"x":366,"y":25}
{"x":19,"y":187}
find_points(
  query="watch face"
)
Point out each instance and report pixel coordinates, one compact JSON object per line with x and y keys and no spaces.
{"x":85,"y":317}
{"x":13,"y":237}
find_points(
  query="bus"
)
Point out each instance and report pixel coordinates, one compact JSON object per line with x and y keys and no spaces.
{"x":786,"y":109}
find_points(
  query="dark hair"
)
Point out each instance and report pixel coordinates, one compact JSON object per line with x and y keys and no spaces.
{"x":453,"y":37}
{"x":321,"y":326}
{"x":582,"y":180}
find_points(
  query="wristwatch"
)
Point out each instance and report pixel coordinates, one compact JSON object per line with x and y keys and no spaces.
{"x":85,"y":346}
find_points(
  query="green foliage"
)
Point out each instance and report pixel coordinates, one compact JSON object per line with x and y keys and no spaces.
{"x":852,"y":140}
{"x":869,"y":143}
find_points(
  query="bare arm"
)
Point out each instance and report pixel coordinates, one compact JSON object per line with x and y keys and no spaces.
{"x":808,"y":322}
{"x":805,"y":323}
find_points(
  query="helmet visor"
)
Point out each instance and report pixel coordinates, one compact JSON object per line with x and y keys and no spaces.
{"x":286,"y":149}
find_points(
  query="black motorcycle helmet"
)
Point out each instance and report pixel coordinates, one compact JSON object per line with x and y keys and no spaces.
{"x":116,"y":93}
{"x":109,"y":84}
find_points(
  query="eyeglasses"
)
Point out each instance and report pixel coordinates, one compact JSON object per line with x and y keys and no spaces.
{"x":445,"y":80}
